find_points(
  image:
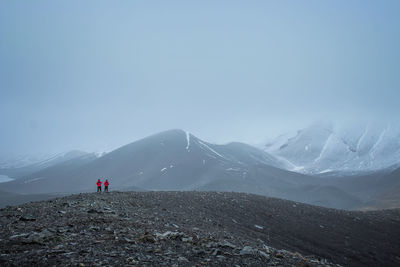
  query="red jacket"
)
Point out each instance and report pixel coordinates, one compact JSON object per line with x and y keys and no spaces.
{"x":106,"y":183}
{"x":99,"y":183}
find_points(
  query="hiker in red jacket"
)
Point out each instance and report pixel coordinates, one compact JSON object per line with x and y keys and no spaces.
{"x":99,"y":185}
{"x":106,"y":184}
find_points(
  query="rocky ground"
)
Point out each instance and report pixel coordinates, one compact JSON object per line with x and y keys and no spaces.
{"x":194,"y":229}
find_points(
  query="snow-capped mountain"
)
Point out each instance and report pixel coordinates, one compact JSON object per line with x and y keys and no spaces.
{"x":329,"y":147}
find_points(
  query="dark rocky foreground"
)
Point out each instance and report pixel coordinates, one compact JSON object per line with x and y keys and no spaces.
{"x":194,"y":229}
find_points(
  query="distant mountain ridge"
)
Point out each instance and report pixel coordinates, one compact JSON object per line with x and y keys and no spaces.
{"x":176,"y":160}
{"x":162,"y":153}
{"x":327,"y":147}
{"x":24,"y":165}
{"x":42,"y":159}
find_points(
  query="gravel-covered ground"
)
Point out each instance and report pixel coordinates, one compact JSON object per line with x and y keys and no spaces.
{"x":194,"y":229}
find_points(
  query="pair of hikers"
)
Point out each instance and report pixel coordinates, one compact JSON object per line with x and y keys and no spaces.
{"x":106,"y":184}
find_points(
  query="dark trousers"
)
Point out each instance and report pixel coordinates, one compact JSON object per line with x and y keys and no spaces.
{"x":106,"y":188}
{"x":99,"y":189}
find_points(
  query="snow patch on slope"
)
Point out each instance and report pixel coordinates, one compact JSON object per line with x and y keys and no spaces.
{"x":33,"y":180}
{"x":209,"y":148}
{"x":187,"y":140}
{"x":289,"y":165}
{"x":324,"y":148}
{"x":380,"y":138}
{"x":362,"y":137}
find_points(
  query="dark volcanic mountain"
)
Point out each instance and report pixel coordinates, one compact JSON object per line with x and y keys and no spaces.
{"x":176,"y":160}
{"x":194,"y":229}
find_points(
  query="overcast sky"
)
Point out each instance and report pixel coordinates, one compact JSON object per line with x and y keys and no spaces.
{"x":95,"y":75}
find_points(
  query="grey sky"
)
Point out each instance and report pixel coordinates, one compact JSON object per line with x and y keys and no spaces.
{"x":95,"y":75}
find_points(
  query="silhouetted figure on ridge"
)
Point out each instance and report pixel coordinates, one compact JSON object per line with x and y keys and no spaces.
{"x":99,"y":185}
{"x":106,"y":184}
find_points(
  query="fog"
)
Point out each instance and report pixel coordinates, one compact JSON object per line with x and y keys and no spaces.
{"x":95,"y":75}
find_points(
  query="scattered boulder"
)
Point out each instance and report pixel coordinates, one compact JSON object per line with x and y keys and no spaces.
{"x":247,"y":250}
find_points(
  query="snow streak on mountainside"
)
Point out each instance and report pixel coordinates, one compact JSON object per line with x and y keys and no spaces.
{"x":326,"y":147}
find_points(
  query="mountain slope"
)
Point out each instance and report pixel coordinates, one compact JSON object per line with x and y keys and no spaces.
{"x":327,"y":147}
{"x":176,"y":160}
{"x":387,"y":194}
{"x":50,"y":179}
{"x":24,"y":167}
{"x":168,"y":160}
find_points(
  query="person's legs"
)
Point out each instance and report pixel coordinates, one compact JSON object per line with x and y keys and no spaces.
{"x":106,"y":189}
